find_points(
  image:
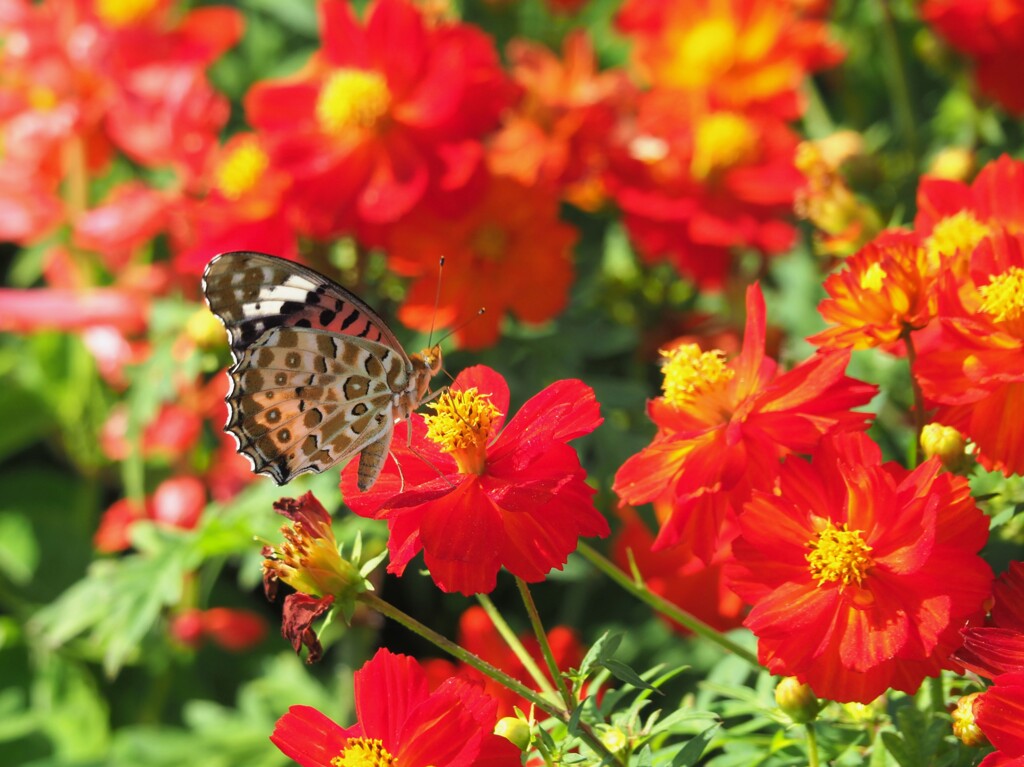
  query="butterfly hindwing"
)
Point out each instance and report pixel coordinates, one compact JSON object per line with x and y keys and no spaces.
{"x":304,"y":399}
{"x":253,"y":293}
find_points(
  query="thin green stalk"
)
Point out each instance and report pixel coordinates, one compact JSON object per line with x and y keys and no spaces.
{"x":639,"y":589}
{"x":390,"y":611}
{"x":545,"y":646}
{"x":899,"y":90}
{"x":514,"y":644}
{"x":812,"y":745}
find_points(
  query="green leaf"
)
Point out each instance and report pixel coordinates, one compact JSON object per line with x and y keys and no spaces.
{"x":19,"y":551}
{"x":695,"y":748}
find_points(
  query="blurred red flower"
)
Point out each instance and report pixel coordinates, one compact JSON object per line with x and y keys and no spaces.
{"x":476,"y":497}
{"x":498,"y":247}
{"x":738,"y":54}
{"x":234,"y":630}
{"x":972,"y":372}
{"x":860,"y":573}
{"x":478,"y":634}
{"x":678,"y":576}
{"x":724,"y":426}
{"x":558,"y":134}
{"x":694,"y":183}
{"x":992,"y":34}
{"x":383,"y":113}
{"x":400,"y":721}
{"x":177,"y":502}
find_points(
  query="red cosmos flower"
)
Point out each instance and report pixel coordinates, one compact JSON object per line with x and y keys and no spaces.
{"x":723,"y":427}
{"x":695,"y":182}
{"x":558,"y":135}
{"x":678,"y":576}
{"x":131,"y":216}
{"x":498,"y":248}
{"x":234,"y":630}
{"x":476,"y":497}
{"x":382,"y":114}
{"x":244,"y":208}
{"x":860,"y":573}
{"x":737,"y":54}
{"x":478,"y":634}
{"x":884,"y":292}
{"x":953,"y":217}
{"x":998,"y":647}
{"x":973,"y":371}
{"x":990,"y":33}
{"x":400,"y":721}
{"x":178,"y":502}
{"x":999,"y":712}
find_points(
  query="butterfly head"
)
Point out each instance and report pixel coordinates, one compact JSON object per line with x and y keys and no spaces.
{"x":430,"y":359}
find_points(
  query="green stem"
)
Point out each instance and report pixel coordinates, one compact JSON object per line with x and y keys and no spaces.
{"x":639,"y":589}
{"x":899,"y":90}
{"x":812,"y":745}
{"x":515,"y":645}
{"x":545,"y":646}
{"x":390,"y":611}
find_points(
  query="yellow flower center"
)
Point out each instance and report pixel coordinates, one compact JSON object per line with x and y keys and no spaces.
{"x":241,"y":170}
{"x":462,"y":425}
{"x":352,"y":99}
{"x":722,"y":140}
{"x":121,"y":13}
{"x":840,"y":555}
{"x":41,"y":98}
{"x":1003,"y":298}
{"x":956,"y":234}
{"x":490,"y":242}
{"x":310,"y":564}
{"x":704,"y":52}
{"x":364,"y":752}
{"x":873,"y":278}
{"x":689,"y":373}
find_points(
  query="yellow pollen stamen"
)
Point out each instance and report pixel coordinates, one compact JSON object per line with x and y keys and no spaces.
{"x":462,"y":425}
{"x":1003,"y":297}
{"x":121,"y":13}
{"x":490,"y":242}
{"x":364,"y":752}
{"x":689,"y":373}
{"x":352,"y":99}
{"x":241,"y":170}
{"x":840,"y":555}
{"x":703,"y":53}
{"x":722,"y":141}
{"x":953,"y":235}
{"x":873,"y":278}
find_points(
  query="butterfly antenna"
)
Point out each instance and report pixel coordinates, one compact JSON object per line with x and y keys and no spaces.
{"x":479,"y":313}
{"x":437,"y":302}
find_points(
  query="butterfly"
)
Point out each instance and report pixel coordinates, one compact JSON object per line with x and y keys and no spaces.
{"x":318,"y":376}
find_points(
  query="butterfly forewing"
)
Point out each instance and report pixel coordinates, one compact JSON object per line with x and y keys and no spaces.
{"x":318,"y":376}
{"x":254,"y":292}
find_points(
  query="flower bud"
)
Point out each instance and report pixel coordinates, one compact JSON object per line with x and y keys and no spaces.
{"x":954,"y":163}
{"x":613,"y":738}
{"x":514,"y":730}
{"x":946,"y":443}
{"x":964,"y":725}
{"x":204,"y":329}
{"x":797,"y":700}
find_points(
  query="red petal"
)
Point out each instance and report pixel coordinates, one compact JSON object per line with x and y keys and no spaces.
{"x":310,"y":738}
{"x":1000,"y":711}
{"x":397,"y":40}
{"x":344,"y":42}
{"x":297,"y":616}
{"x":387,"y":688}
{"x":561,"y":412}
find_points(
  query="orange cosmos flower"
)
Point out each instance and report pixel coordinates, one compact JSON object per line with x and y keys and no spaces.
{"x":723,"y":426}
{"x":498,"y":247}
{"x":692,"y":183}
{"x":882,"y":293}
{"x":860,"y":573}
{"x":972,"y":372}
{"x":558,"y":134}
{"x":991,"y":33}
{"x":735,"y":54}
{"x":382,"y":113}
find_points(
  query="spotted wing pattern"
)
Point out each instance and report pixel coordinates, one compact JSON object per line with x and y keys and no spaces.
{"x":304,"y":400}
{"x":254,"y":292}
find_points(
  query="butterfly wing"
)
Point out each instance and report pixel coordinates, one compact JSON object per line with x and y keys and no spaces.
{"x":304,"y":400}
{"x":253,"y":293}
